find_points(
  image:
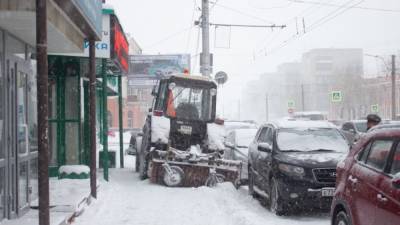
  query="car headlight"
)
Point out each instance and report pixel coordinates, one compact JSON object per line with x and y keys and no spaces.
{"x":291,"y":170}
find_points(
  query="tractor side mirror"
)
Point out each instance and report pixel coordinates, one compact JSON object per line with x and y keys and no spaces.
{"x":265,"y":147}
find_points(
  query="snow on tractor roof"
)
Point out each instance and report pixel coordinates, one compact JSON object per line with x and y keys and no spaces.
{"x":303,"y":124}
{"x":192,"y":77}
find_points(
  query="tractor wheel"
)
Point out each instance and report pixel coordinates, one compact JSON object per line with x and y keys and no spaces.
{"x":173,"y":178}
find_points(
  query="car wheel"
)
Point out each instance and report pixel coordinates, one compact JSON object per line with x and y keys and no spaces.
{"x":137,"y":163}
{"x":341,"y":218}
{"x":251,"y":182}
{"x":275,"y":200}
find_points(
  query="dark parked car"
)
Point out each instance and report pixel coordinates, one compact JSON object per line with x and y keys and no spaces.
{"x":132,"y":149}
{"x":354,"y":129}
{"x":292,"y":164}
{"x":237,"y":148}
{"x":368,"y":182}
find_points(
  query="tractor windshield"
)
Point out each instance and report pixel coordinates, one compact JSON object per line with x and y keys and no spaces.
{"x":190,"y":103}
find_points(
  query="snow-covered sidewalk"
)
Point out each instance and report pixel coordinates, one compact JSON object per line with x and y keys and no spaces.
{"x":65,"y":195}
{"x":127,"y":200}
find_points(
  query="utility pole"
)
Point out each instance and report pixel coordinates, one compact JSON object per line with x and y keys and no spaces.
{"x":302,"y":98}
{"x":205,"y":56}
{"x":393,"y":87}
{"x":205,"y":63}
{"x":266,"y":108}
{"x":239,"y":109}
{"x":92,"y":117}
{"x":42,"y":105}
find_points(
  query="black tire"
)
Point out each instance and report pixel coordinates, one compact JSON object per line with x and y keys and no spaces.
{"x":276,"y":202}
{"x":143,"y":159}
{"x":137,"y":163}
{"x":143,"y":171}
{"x":341,"y":218}
{"x":175,"y":179}
{"x":251,"y":182}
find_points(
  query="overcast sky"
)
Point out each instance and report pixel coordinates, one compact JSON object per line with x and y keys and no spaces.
{"x":165,"y":27}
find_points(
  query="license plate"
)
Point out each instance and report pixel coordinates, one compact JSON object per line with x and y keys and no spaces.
{"x":328,"y":192}
{"x":186,"y":129}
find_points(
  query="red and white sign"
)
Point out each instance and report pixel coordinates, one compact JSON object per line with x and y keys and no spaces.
{"x":120,"y":46}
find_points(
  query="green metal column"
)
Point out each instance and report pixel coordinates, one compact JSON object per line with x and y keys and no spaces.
{"x":104,"y":118}
{"x":121,"y":125}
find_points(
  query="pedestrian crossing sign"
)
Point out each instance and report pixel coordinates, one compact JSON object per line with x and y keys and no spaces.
{"x":336,"y":96}
{"x":375,"y":108}
{"x":291,"y":104}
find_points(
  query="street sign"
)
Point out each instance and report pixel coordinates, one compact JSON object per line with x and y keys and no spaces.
{"x":375,"y":108}
{"x":336,"y":96}
{"x":291,"y":104}
{"x":221,"y":77}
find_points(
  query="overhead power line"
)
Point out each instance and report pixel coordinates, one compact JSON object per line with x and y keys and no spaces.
{"x":246,"y":25}
{"x":335,"y":13}
{"x":242,"y":13}
{"x":169,"y":37}
{"x":338,"y":5}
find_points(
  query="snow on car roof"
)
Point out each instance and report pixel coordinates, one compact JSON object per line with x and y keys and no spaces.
{"x":304,"y":124}
{"x":309,"y":113}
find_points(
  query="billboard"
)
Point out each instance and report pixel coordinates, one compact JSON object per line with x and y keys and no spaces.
{"x":120,"y":46}
{"x":102,"y":47}
{"x":157,"y":66}
{"x":91,"y":10}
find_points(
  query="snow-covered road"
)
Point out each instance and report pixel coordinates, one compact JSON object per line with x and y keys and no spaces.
{"x":127,"y":200}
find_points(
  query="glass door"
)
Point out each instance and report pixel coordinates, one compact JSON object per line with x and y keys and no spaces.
{"x":18,"y":155}
{"x":22,"y":135}
{"x":2,"y":147}
{"x":11,"y":131}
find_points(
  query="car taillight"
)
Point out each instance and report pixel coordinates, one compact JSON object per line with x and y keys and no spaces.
{"x":158,"y":113}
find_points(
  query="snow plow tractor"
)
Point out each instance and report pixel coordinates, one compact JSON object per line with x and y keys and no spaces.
{"x":182,"y":142}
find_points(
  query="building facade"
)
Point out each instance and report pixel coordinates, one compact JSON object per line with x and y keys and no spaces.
{"x":18,"y":103}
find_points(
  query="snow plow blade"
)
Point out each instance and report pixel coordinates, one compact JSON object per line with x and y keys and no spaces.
{"x":194,"y":173}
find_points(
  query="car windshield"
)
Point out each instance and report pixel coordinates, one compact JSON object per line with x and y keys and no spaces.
{"x":192,"y":103}
{"x":311,"y":139}
{"x":244,"y":137}
{"x":361,"y":126}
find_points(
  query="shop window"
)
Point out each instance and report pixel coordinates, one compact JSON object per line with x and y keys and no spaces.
{"x":72,"y":147}
{"x":15,"y":47}
{"x":2,"y":191}
{"x":32,"y":109}
{"x":53,"y":143}
{"x":72,"y":97}
{"x":130,"y":119}
{"x":23,"y":197}
{"x":109,"y":119}
{"x":1,"y":105}
{"x":33,"y":182}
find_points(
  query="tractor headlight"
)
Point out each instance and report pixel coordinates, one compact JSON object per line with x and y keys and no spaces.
{"x":171,"y":86}
{"x":291,"y":170}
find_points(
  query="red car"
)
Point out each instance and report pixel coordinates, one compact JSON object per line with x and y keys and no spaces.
{"x":368,"y":182}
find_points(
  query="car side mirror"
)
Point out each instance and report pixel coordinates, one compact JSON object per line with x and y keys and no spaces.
{"x":396,"y":181}
{"x":265,"y":147}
